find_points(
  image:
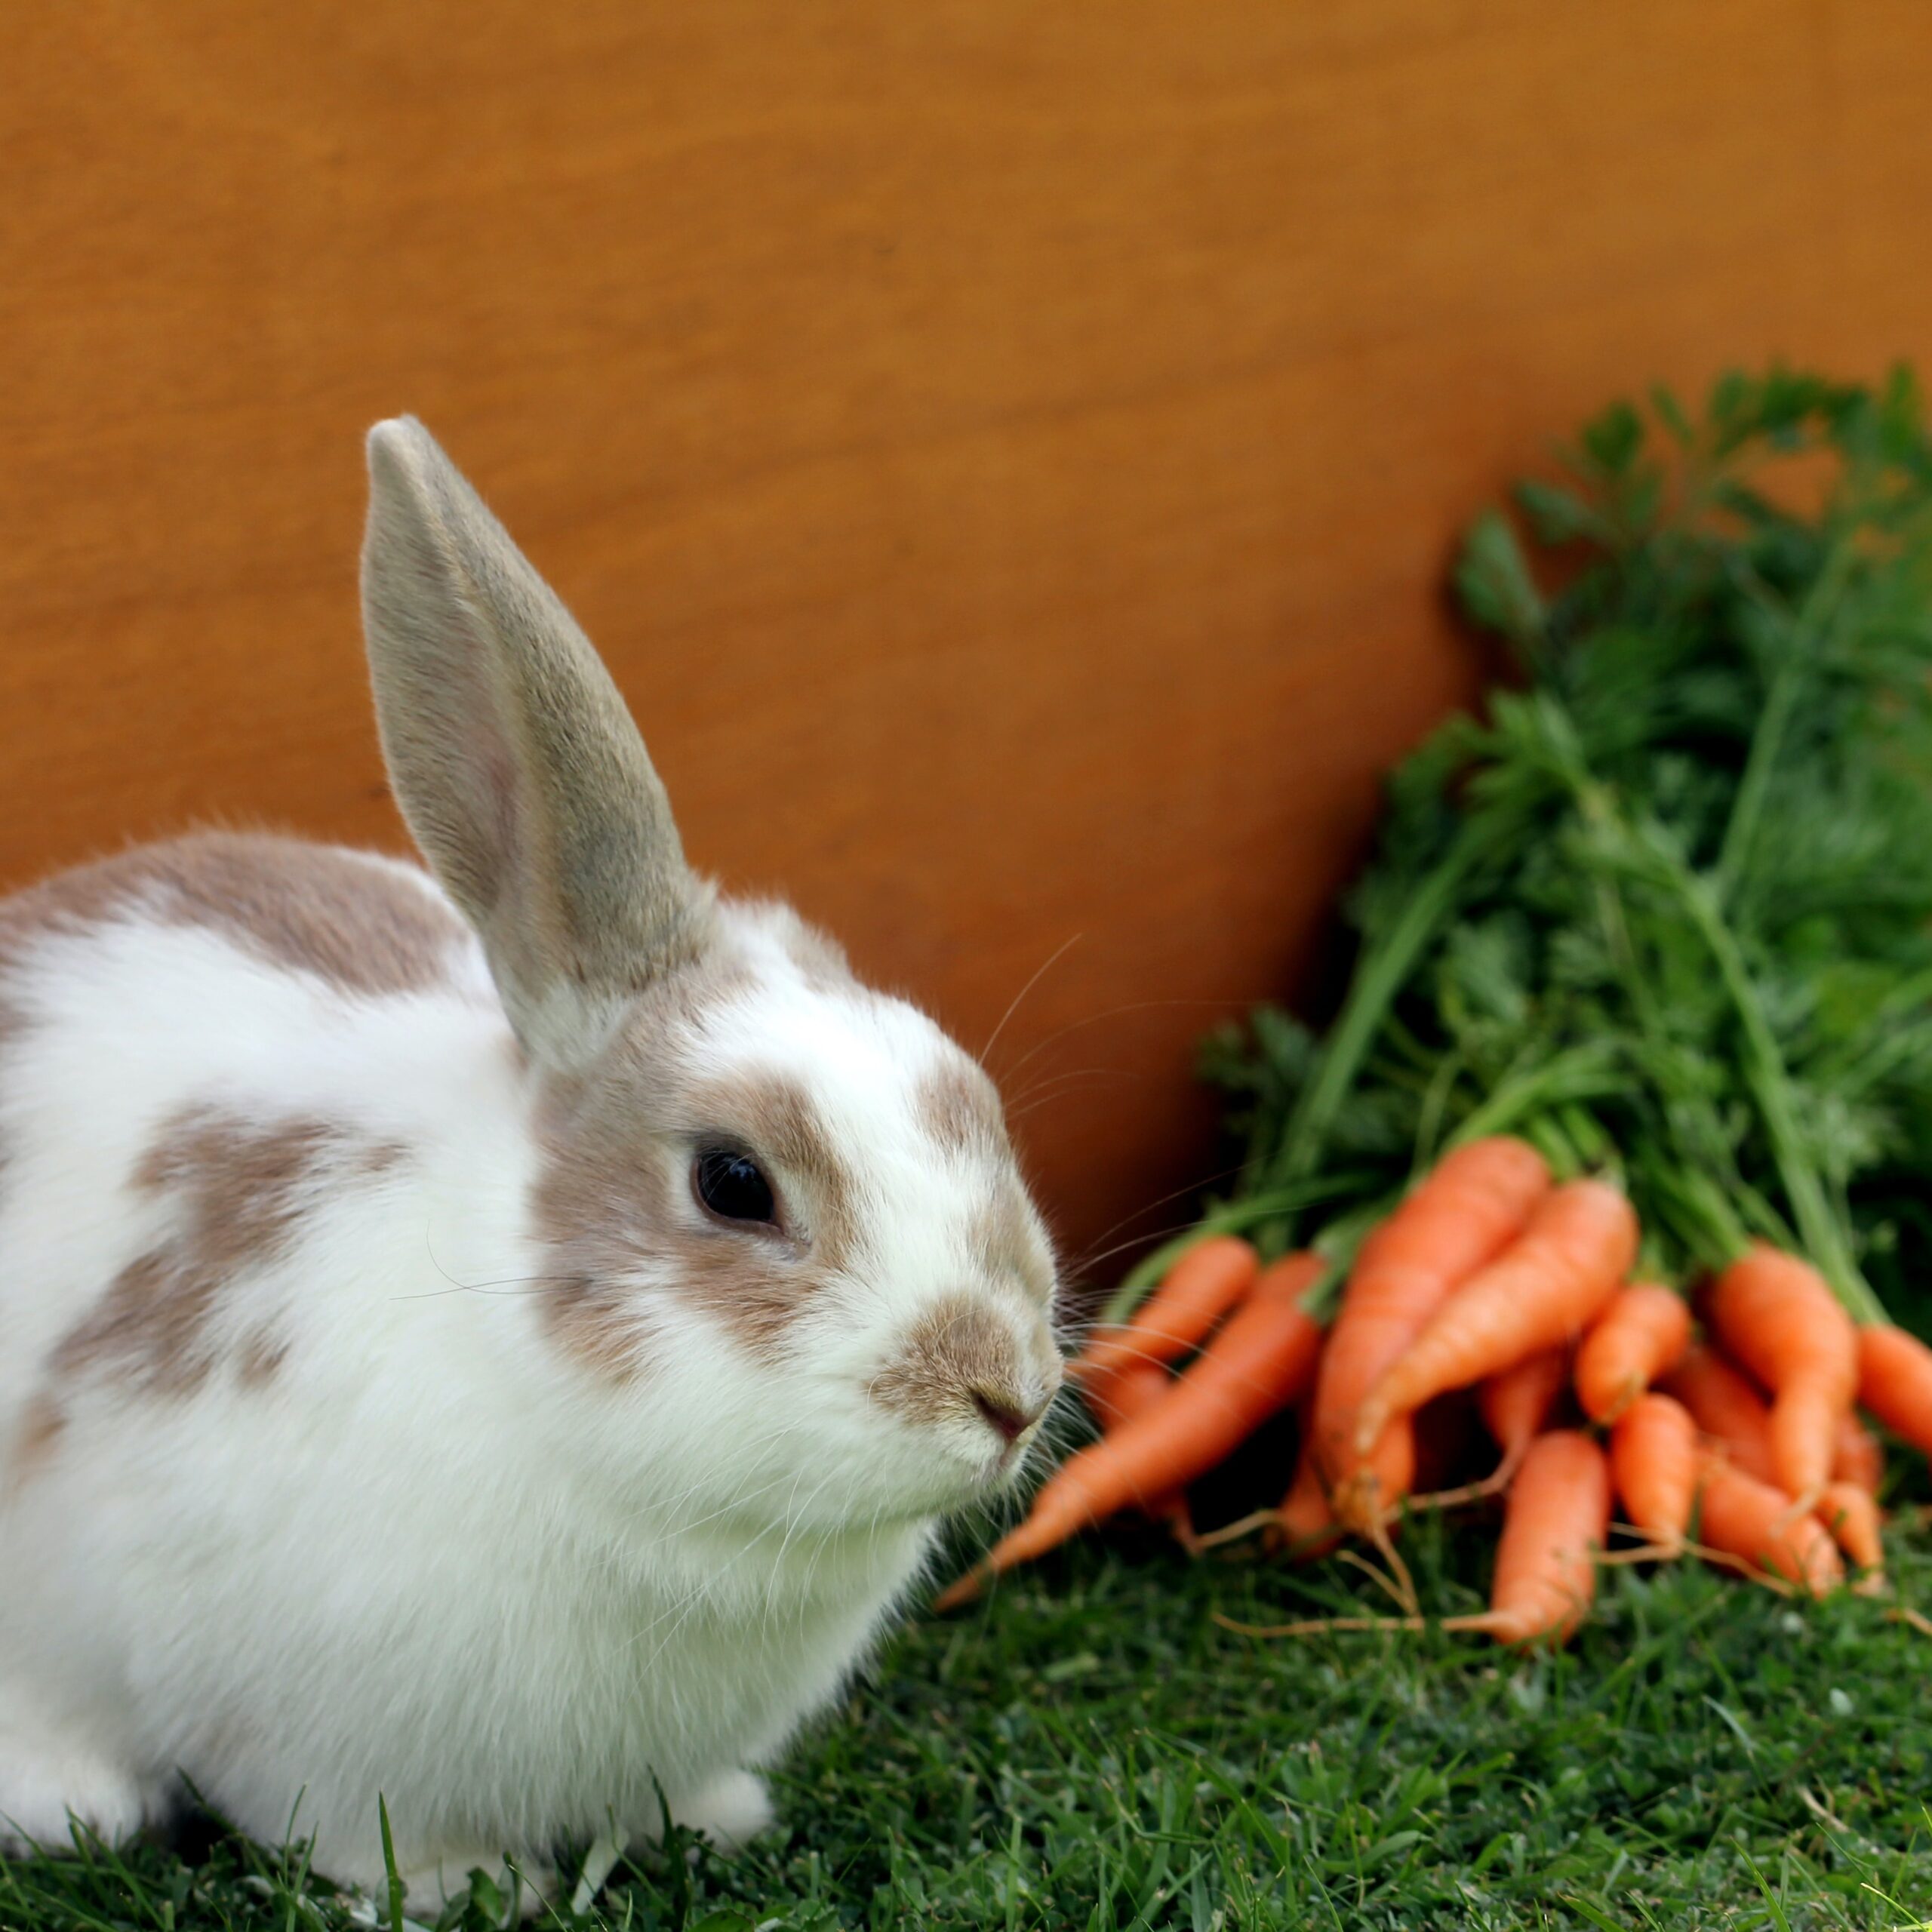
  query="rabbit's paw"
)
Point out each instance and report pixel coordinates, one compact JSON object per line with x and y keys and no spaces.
{"x":731,"y":1810}
{"x":49,"y":1783}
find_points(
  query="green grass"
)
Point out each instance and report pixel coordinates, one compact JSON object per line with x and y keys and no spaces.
{"x":1089,"y":1749}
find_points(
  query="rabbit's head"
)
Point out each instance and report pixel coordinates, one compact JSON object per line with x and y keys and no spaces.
{"x":790,"y":1272}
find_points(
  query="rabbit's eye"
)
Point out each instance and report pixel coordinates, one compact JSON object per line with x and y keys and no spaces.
{"x":731,"y":1184}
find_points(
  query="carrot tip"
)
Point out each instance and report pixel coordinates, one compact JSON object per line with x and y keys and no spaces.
{"x":961,"y":1590}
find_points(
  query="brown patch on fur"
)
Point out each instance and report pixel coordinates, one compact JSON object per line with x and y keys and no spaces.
{"x":261,"y":1356}
{"x":613,"y":1202}
{"x":958,"y":1345}
{"x":242,"y":1190}
{"x":957,"y":1106}
{"x":345,"y":916}
{"x":42,"y":1424}
{"x":379,"y":1156}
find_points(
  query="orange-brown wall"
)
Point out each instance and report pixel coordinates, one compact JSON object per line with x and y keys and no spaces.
{"x":1008,"y":454}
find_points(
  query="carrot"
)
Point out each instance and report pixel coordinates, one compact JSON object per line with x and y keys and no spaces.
{"x":1643,"y":1332}
{"x":1548,"y":1284}
{"x":1856,"y":1456}
{"x":1516,"y":1403}
{"x":1262,"y":1359}
{"x":1726,"y":1407}
{"x":1654,"y":1467}
{"x":1895,"y":1382}
{"x":1775,"y":1314}
{"x":1743,"y":1517}
{"x":1851,"y":1514}
{"x":1200,"y":1287}
{"x":1130,"y":1390}
{"x":1473,"y":1202}
{"x":1306,"y":1527}
{"x":1556,"y":1519}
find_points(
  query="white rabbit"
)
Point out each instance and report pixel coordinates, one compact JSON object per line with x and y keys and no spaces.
{"x":501,"y":1343}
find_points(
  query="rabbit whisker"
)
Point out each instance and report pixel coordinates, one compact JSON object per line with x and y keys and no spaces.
{"x":1117,"y":1012}
{"x":1052,"y":959}
{"x":1148,"y":1207}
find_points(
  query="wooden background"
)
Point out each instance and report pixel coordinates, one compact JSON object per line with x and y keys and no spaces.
{"x":1008,"y":454}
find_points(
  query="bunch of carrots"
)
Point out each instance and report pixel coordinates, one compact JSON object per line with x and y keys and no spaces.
{"x":1744,"y":1444}
{"x":1622,"y":1132}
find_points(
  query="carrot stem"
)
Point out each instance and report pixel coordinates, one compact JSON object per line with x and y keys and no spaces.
{"x":1381,"y":973}
{"x":1820,"y":1230}
{"x":1774,"y":721}
{"x":1588,"y":1073}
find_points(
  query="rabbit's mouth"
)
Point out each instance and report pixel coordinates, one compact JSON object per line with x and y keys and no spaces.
{"x":966,"y":1481}
{"x":1003,"y":1469}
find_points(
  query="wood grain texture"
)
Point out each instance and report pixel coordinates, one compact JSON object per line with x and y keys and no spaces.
{"x":1008,"y":455}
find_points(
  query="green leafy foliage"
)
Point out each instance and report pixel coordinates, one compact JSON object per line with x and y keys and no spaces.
{"x":1666,"y":907}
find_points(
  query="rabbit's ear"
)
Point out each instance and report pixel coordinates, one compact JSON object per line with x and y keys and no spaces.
{"x":522,"y":778}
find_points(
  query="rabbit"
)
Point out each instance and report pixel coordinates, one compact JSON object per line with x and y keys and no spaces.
{"x":500,"y":1337}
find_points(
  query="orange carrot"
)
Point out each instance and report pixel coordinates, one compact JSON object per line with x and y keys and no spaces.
{"x":1306,"y":1525}
{"x":1851,"y":1514}
{"x":1260,"y":1362}
{"x":1726,"y":1407}
{"x":1743,"y":1517}
{"x":1643,"y":1332}
{"x":1654,"y":1467}
{"x":1856,"y":1456}
{"x":1516,"y":1403}
{"x":1473,"y":1202}
{"x":1200,"y":1287}
{"x":1130,"y":1390}
{"x":1542,"y":1290}
{"x":1895,"y":1382}
{"x":1555,"y":1521}
{"x":1775,"y":1314}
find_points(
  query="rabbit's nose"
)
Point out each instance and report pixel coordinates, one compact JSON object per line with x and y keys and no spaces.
{"x":1011,"y":1417}
{"x":966,"y":1356}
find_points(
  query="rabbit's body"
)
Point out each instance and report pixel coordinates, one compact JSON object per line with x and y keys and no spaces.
{"x":392,"y":1398}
